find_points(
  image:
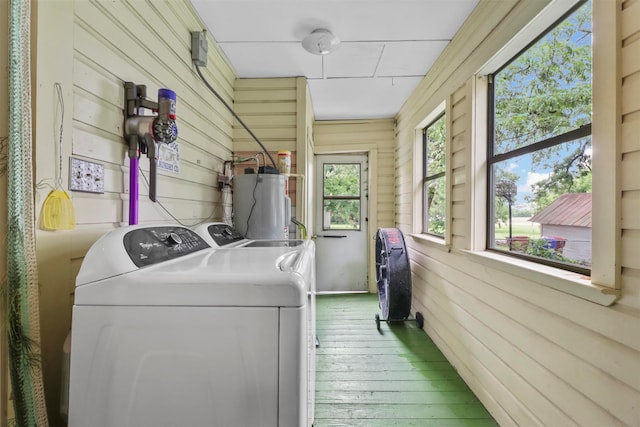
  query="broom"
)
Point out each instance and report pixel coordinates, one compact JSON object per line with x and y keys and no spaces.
{"x":57,"y":211}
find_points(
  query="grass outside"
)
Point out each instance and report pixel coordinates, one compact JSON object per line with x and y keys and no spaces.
{"x":520,"y":227}
{"x":343,"y":227}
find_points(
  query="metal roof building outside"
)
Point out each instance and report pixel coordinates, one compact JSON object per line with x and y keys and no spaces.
{"x":568,"y":209}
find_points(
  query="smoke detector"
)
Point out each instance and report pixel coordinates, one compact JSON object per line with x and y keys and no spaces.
{"x":320,"y":42}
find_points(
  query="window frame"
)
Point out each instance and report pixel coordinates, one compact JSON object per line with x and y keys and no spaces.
{"x":558,"y":139}
{"x":426,"y":179}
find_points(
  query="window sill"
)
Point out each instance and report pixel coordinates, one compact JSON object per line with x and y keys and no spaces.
{"x":561,"y":280}
{"x":435,"y":241}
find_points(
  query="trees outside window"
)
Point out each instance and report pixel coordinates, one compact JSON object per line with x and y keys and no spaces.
{"x":434,"y":181}
{"x":341,"y":196}
{"x":540,"y":142}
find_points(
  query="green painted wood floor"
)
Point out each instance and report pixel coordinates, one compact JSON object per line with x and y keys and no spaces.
{"x":392,"y":377}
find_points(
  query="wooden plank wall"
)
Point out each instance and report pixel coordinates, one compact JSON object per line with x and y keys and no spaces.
{"x":305,"y":156}
{"x":630,"y":150}
{"x":269,"y":108}
{"x":91,"y":48}
{"x":533,"y":355}
{"x":277,"y":110}
{"x":459,"y":124}
{"x":360,"y":136}
{"x":157,"y":57}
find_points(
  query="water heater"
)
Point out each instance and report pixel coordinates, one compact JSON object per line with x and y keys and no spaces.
{"x":261,"y":210}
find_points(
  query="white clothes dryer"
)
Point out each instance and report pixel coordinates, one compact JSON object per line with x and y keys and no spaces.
{"x":222,"y":237}
{"x":168,"y":332}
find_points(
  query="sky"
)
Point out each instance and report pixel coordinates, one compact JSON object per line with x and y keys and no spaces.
{"x":527,"y":177}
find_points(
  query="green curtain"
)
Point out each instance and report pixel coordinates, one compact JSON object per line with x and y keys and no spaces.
{"x":22,"y":274}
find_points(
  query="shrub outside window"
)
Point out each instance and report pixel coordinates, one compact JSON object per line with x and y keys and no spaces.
{"x":434,"y":181}
{"x":539,"y":159}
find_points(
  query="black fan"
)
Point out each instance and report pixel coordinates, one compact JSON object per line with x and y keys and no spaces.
{"x":393,"y":277}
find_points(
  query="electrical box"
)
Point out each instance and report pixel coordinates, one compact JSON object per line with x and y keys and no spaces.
{"x":199,"y":48}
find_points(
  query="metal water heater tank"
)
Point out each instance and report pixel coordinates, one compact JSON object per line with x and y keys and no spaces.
{"x":261,"y":208}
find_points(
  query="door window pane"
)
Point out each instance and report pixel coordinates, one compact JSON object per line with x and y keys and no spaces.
{"x":341,"y":196}
{"x":342,"y":214}
{"x":342,"y":180}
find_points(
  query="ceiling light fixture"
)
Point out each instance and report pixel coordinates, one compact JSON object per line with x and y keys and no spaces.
{"x":320,"y":42}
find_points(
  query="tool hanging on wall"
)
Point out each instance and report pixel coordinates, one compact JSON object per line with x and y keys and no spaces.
{"x":144,"y":134}
{"x":57,"y":211}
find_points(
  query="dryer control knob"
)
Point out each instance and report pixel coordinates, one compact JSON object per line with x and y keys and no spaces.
{"x":174,"y":239}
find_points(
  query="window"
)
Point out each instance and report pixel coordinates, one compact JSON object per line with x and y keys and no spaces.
{"x":341,"y":196}
{"x":433,"y":182}
{"x":539,"y":159}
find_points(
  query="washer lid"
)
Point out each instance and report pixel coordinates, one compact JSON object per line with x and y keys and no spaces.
{"x":127,"y":249}
{"x":260,"y":277}
{"x":219,"y":234}
{"x":273,"y":243}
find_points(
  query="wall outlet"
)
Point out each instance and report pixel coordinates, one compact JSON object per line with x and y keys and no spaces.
{"x":86,"y":176}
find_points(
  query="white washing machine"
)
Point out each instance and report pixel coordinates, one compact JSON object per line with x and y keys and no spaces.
{"x":169,"y":332}
{"x":222,"y":237}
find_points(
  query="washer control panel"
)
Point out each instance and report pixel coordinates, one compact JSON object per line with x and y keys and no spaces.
{"x":224,"y":234}
{"x":151,"y":245}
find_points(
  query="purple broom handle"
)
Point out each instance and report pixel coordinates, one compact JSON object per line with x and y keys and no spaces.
{"x":133,"y":190}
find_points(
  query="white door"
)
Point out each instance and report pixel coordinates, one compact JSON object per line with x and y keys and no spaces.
{"x":341,"y":223}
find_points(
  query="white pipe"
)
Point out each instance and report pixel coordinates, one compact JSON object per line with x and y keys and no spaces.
{"x":227,"y":205}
